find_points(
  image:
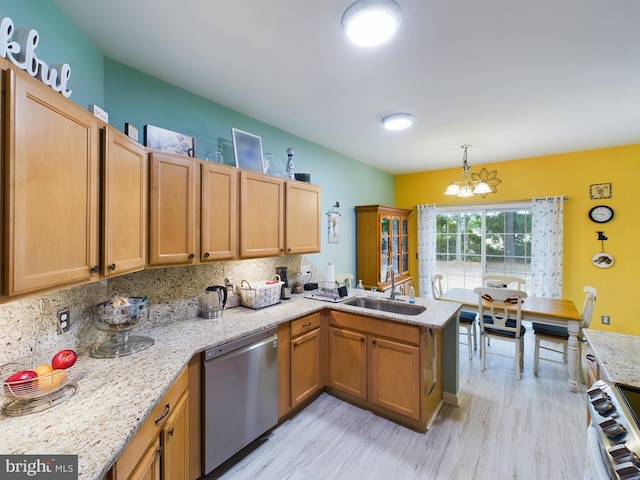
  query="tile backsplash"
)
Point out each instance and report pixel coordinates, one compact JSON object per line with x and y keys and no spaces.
{"x":172,"y":292}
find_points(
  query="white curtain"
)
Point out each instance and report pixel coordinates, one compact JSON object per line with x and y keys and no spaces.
{"x":426,"y":248}
{"x":546,"y":256}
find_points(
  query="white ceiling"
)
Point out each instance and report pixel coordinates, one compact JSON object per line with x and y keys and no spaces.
{"x":514,"y":78}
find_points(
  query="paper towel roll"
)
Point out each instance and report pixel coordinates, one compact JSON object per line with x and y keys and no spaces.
{"x":330,"y":274}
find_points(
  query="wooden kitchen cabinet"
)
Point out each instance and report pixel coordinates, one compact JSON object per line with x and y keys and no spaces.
{"x":394,"y":373}
{"x":380,"y":362}
{"x":173,"y":210}
{"x":382,"y":239}
{"x":306,"y":366}
{"x":348,"y":361}
{"x":124,"y":203}
{"x":166,"y":433}
{"x":261,"y":215}
{"x":219,"y":212}
{"x":51,"y":188}
{"x":302,"y":222}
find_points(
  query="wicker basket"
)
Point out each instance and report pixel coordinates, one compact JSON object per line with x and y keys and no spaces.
{"x":260,"y":294}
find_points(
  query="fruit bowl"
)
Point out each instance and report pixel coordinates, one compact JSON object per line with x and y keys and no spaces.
{"x":122,"y":313}
{"x":119,"y":316}
{"x":33,"y":384}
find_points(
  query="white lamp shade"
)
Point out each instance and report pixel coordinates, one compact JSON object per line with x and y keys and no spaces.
{"x":482,"y":188}
{"x":465,"y":191}
{"x":368,"y":23}
{"x":452,"y":189}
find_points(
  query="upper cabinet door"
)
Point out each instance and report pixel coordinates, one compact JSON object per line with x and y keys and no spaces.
{"x":219,"y":212}
{"x":172,"y":210}
{"x":261,"y":215}
{"x":124,"y":203}
{"x":302,"y":218}
{"x":51,"y":168}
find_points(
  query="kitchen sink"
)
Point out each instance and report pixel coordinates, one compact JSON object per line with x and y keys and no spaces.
{"x":386,"y":306}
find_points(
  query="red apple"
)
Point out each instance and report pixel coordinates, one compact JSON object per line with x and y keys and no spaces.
{"x":63,"y":359}
{"x":20,"y":383}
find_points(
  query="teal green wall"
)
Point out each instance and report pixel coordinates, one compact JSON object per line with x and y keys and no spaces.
{"x":61,"y":42}
{"x":129,"y":95}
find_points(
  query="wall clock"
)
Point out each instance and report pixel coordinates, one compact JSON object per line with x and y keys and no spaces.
{"x":600,"y":190}
{"x":601,"y":214}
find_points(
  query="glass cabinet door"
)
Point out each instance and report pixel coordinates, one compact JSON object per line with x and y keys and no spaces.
{"x":385,"y":239}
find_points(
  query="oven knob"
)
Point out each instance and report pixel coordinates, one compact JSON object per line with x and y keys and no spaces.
{"x":621,"y":454}
{"x":613,"y":429}
{"x":628,"y":471}
{"x":603,"y":406}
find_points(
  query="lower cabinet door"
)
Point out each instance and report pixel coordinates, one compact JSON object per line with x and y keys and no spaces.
{"x":305,"y":366}
{"x":175,"y":442}
{"x":149,"y":466}
{"x":394,"y":376}
{"x":347,"y":361}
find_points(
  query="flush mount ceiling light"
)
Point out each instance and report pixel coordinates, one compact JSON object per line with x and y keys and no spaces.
{"x":368,"y":23}
{"x":467,"y":187}
{"x":397,"y":121}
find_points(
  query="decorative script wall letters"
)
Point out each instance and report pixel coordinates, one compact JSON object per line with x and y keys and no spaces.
{"x":19,"y":45}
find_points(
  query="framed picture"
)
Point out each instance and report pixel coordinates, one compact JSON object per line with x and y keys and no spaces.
{"x":600,"y":190}
{"x":247,"y":149}
{"x":168,"y":141}
{"x":334,"y":227}
{"x":602,"y":260}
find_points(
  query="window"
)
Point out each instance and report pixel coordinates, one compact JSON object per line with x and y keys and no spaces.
{"x":475,"y":241}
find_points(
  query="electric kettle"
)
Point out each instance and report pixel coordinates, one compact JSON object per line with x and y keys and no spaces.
{"x":212,"y":302}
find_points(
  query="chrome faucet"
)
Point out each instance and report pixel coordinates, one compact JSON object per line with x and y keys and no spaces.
{"x":391,"y":272}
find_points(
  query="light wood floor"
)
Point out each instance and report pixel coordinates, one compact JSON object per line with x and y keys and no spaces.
{"x":503,"y":429}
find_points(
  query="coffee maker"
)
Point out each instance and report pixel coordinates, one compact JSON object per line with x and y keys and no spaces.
{"x":285,"y":293}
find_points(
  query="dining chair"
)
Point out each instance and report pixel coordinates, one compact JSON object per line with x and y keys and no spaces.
{"x":557,"y":335}
{"x":494,"y":280}
{"x":498,"y":323}
{"x":467,"y":319}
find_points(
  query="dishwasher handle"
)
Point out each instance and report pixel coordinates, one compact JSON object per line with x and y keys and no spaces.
{"x":242,"y":345}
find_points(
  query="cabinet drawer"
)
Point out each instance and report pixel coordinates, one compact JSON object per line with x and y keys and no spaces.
{"x":374,"y":326}
{"x":150,"y":429}
{"x":305,"y":324}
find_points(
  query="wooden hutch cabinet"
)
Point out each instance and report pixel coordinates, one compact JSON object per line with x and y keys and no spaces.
{"x":382,"y":238}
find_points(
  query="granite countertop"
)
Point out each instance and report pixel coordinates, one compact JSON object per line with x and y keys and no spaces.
{"x":115,"y":396}
{"x":617,"y":353}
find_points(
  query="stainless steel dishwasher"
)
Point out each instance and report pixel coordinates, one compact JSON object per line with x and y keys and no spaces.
{"x":240,"y":395}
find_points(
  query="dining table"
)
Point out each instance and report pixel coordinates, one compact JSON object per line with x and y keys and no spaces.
{"x":550,"y":311}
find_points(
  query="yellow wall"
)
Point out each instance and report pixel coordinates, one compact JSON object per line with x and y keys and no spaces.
{"x":568,"y":174}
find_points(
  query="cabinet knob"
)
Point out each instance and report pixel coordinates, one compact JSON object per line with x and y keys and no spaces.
{"x":95,"y":269}
{"x":295,"y":344}
{"x":282,"y":250}
{"x":289,"y":249}
{"x":192,"y":256}
{"x":361,"y":339}
{"x":206,"y":255}
{"x":112,"y":267}
{"x":170,"y":432}
{"x":374,"y":342}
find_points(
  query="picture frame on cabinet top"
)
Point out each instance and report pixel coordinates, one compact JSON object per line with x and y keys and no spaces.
{"x":247,"y":149}
{"x":168,"y":141}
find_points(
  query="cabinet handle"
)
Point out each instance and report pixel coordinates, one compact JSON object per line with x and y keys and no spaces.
{"x":295,"y":344}
{"x":171,"y":432}
{"x":206,"y":255}
{"x":167,"y":408}
{"x":95,"y":269}
{"x":306,"y":325}
{"x":591,"y":357}
{"x":112,"y":267}
{"x":192,"y":256}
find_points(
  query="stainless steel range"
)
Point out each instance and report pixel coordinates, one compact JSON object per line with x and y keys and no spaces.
{"x":614,"y":431}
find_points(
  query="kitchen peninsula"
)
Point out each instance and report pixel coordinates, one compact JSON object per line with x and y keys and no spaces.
{"x":115,"y":396}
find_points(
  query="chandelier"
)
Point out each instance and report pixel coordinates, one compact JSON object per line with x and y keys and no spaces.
{"x":468,"y":186}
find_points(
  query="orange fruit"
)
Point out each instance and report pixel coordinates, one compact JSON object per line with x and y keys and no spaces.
{"x":48,"y":378}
